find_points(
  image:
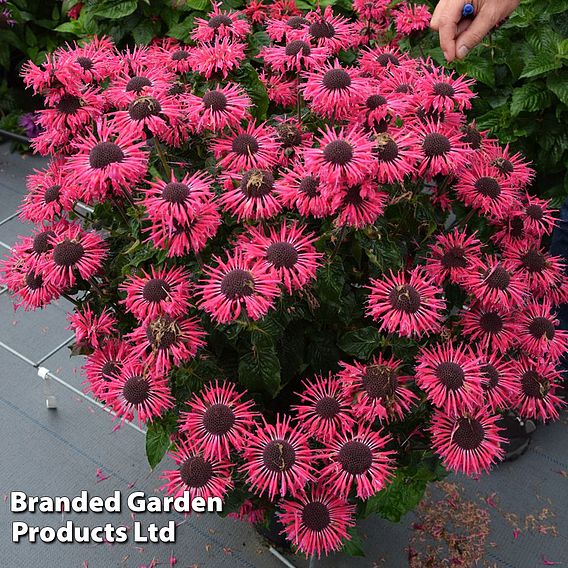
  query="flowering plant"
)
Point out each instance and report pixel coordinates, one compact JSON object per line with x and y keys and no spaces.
{"x":299,"y":266}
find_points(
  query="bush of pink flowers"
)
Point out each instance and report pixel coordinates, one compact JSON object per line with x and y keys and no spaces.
{"x":294,"y":259}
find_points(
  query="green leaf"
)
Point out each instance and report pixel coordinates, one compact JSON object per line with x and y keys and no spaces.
{"x":360,"y":343}
{"x":540,"y":63}
{"x":113,"y":9}
{"x":259,"y":368}
{"x":143,"y":32}
{"x":255,"y":87}
{"x":530,"y":97}
{"x":479,"y":67}
{"x":157,"y":443}
{"x":73,"y":27}
{"x":353,"y":546}
{"x":558,"y":84}
{"x":200,"y":5}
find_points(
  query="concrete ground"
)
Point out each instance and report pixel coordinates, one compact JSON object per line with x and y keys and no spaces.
{"x":517,"y":517}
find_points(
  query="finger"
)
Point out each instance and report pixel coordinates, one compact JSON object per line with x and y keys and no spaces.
{"x":447,"y":27}
{"x":462,"y":26}
{"x":440,"y":9}
{"x":480,"y":26}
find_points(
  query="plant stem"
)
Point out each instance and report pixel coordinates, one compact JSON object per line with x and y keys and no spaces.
{"x":70,"y":299}
{"x":162,"y":156}
{"x":299,"y":101}
{"x":339,"y":243}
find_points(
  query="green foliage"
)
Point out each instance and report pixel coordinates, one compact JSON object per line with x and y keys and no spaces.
{"x":158,"y":439}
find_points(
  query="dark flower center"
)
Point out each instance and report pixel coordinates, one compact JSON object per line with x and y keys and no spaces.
{"x":404,"y":88}
{"x":504,"y":166}
{"x":218,"y":419}
{"x":175,"y":192}
{"x":488,"y":187}
{"x":196,"y":472}
{"x":355,"y":457}
{"x":69,"y":104}
{"x":282,"y":255}
{"x":237,"y":283}
{"x":454,"y":257}
{"x":52,"y":194}
{"x":245,"y":145}
{"x":385,"y":58}
{"x":144,"y":108}
{"x":156,"y":290}
{"x":104,"y":154}
{"x":327,"y":407}
{"x":294,"y":47}
{"x":353,"y":196}
{"x":533,"y":385}
{"x":498,"y":278}
{"x":321,"y":29}
{"x":177,"y":88}
{"x":163,"y":332}
{"x":535,"y":212}
{"x":136,"y":390}
{"x":405,"y":299}
{"x":386,"y":149}
{"x":451,"y":375}
{"x":435,"y":115}
{"x":338,"y":152}
{"x":375,"y":101}
{"x":296,"y":22}
{"x":309,"y":185}
{"x":136,"y":84}
{"x":85,"y":62}
{"x":219,"y":20}
{"x":444,"y":90}
{"x":68,"y":253}
{"x":41,"y":242}
{"x":380,"y":381}
{"x":542,"y":327}
{"x":471,"y":136}
{"x":279,"y":456}
{"x":290,"y":136}
{"x":436,"y":144}
{"x":336,"y":79}
{"x":315,"y":516}
{"x":491,"y":322}
{"x":534,"y":261}
{"x":34,"y":281}
{"x":257,"y":183}
{"x":517,"y":227}
{"x":215,"y":100}
{"x":469,"y":434}
{"x":491,"y":375}
{"x":180,"y":55}
{"x":109,"y":370}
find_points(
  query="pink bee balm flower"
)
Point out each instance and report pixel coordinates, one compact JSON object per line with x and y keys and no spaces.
{"x":535,"y":395}
{"x":374,"y":62}
{"x":317,"y":522}
{"x":324,"y":408}
{"x":130,"y":84}
{"x":220,"y":24}
{"x":74,"y":253}
{"x":397,"y":154}
{"x":252,"y":147}
{"x":108,"y":159}
{"x":164,"y":341}
{"x":218,"y":420}
{"x":218,"y":57}
{"x":451,"y":377}
{"x":378,"y":389}
{"x":359,"y":205}
{"x":439,"y":90}
{"x":335,"y":91}
{"x":278,"y":459}
{"x":163,"y":292}
{"x":469,"y":443}
{"x":134,"y":392}
{"x":91,"y":329}
{"x":288,"y":251}
{"x":538,"y":334}
{"x":330,"y":31}
{"x":287,"y":28}
{"x":371,"y":10}
{"x":344,"y":156}
{"x":281,"y":91}
{"x":410,"y":18}
{"x":237,"y":285}
{"x":512,"y":166}
{"x":201,"y":476}
{"x":450,"y":255}
{"x":249,"y":513}
{"x":499,"y":381}
{"x":408,"y":304}
{"x":297,"y":55}
{"x":357,"y":460}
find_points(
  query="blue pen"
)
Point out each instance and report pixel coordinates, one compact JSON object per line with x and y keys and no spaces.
{"x":468,"y":10}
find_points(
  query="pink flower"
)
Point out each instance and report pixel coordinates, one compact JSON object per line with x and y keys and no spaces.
{"x":221,"y":24}
{"x":218,"y":58}
{"x":237,"y":285}
{"x":410,"y":18}
{"x":376,"y":61}
{"x":499,"y":381}
{"x":451,"y":377}
{"x":378,"y":389}
{"x":510,"y":165}
{"x":278,"y":459}
{"x":408,"y":304}
{"x":297,"y":55}
{"x":330,"y":31}
{"x":397,"y":153}
{"x":439,"y":90}
{"x":469,"y":442}
{"x":91,"y":329}
{"x":357,"y":459}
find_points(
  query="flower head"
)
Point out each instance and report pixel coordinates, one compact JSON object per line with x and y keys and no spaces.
{"x":92,"y":329}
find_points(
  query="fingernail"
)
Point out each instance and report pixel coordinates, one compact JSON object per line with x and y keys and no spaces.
{"x":462,"y":51}
{"x":446,"y":55}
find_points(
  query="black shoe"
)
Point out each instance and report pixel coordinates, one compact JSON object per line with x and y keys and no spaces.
{"x":517,"y":433}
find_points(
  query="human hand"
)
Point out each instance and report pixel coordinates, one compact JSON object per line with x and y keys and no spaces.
{"x":459,"y":36}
